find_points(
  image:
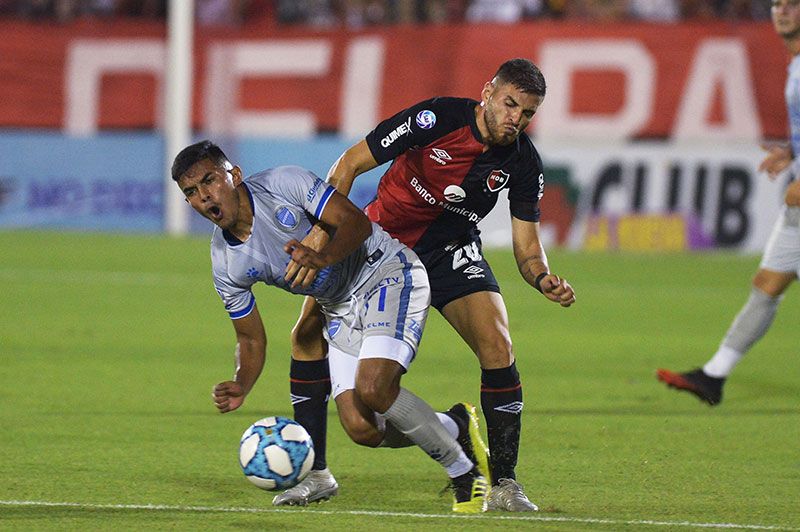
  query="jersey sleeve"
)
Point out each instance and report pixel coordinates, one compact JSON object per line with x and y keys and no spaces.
{"x":238,"y":300}
{"x":302,"y":188}
{"x":526,"y":191}
{"x":418,"y":125}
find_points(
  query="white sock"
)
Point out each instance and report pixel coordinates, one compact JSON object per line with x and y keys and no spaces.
{"x":722,"y":363}
{"x":751,"y":323}
{"x":416,"y":419}
{"x":448,"y":423}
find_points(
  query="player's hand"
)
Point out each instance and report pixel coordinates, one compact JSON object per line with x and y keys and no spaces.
{"x":792,"y":197}
{"x":778,"y":159}
{"x":227,"y":396}
{"x":557,"y":290}
{"x":305,"y":257}
{"x":305,"y":275}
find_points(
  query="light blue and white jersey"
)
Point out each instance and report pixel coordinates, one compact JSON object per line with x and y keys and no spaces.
{"x":286,"y":203}
{"x":793,"y":108}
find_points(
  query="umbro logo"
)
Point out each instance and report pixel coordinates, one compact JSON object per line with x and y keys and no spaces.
{"x":298,"y":398}
{"x":511,"y":408}
{"x":440,"y":156}
{"x":474,"y":272}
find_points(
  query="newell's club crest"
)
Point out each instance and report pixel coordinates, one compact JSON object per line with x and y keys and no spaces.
{"x":497,"y":180}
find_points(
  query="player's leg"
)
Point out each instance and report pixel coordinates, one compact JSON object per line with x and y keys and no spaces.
{"x":309,"y":377}
{"x":779,"y":268}
{"x":392,"y":319}
{"x":465,"y":291}
{"x":365,"y":427}
{"x":380,"y":380}
{"x":310,"y":387}
{"x":480,"y":318}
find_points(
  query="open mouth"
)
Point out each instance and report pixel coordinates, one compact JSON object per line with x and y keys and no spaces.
{"x":215,"y":212}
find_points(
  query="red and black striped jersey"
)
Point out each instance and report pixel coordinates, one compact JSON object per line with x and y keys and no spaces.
{"x":442,"y":182}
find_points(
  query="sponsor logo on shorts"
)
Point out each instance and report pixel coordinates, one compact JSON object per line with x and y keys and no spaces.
{"x":426,"y":119}
{"x":382,"y":324}
{"x":415,"y":328}
{"x":474,"y":272}
{"x":333,"y":327}
{"x":454,"y":194}
{"x":286,"y":217}
{"x":440,"y":156}
{"x":497,"y":180}
{"x":399,"y":131}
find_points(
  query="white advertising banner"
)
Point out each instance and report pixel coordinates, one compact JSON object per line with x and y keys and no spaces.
{"x":653,"y":196}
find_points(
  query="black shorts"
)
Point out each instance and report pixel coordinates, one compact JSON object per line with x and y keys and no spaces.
{"x":458,"y":270}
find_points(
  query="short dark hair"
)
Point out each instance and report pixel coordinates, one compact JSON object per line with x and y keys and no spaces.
{"x":523,"y":74}
{"x":205,"y":149}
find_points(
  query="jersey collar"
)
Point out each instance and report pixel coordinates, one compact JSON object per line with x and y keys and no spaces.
{"x":229,"y":238}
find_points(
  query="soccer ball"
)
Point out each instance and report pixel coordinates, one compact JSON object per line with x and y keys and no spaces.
{"x":276,"y":453}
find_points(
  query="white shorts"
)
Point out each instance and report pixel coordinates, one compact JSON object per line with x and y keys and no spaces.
{"x":782,"y":253}
{"x":384,"y":319}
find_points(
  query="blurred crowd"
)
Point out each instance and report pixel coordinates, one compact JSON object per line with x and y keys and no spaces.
{"x":360,"y":13}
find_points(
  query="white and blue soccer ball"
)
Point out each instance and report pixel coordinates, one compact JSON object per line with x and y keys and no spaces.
{"x":276,"y":453}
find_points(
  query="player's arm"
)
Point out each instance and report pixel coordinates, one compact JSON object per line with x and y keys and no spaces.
{"x":792,"y":197}
{"x":251,"y":349}
{"x":356,"y":160}
{"x":778,"y":158}
{"x":350,"y":226}
{"x":532,"y":263}
{"x":353,"y":162}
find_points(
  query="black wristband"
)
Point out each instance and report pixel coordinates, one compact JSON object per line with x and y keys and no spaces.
{"x":537,"y":283}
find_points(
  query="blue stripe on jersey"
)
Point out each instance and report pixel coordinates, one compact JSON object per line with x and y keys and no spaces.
{"x":245,"y":311}
{"x":323,"y":201}
{"x":382,"y":300}
{"x":405,"y":296}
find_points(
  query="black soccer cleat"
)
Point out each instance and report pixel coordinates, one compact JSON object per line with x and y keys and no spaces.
{"x":470,"y":492}
{"x":469,"y":437}
{"x":706,"y":388}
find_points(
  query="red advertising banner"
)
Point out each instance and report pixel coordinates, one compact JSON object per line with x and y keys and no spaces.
{"x":604,"y":80}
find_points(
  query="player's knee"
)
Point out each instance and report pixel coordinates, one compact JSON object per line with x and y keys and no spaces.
{"x":307,"y":340}
{"x":375,"y":395}
{"x":496,"y":352}
{"x":772,"y":283}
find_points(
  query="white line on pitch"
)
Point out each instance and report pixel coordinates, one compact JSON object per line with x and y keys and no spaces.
{"x":541,"y":518}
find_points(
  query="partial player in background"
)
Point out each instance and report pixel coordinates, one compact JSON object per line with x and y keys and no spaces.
{"x":780,"y":264}
{"x":372,"y":290}
{"x":452,"y":157}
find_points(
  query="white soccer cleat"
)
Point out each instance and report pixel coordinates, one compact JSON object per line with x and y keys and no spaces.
{"x":508,"y":496}
{"x":319,"y":485}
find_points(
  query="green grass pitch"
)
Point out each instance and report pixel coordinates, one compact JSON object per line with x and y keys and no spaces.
{"x":110,"y":346}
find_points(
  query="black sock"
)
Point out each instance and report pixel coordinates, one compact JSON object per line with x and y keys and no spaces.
{"x":310,"y":387}
{"x":501,"y":401}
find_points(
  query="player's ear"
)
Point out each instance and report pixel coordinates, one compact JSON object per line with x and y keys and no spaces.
{"x":488,"y":88}
{"x":236,"y":173}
